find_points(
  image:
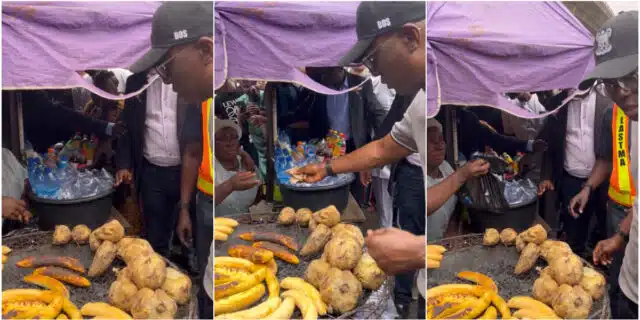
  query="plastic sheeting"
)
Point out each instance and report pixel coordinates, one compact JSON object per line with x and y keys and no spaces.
{"x":478,"y":50}
{"x":274,"y":41}
{"x":45,"y":44}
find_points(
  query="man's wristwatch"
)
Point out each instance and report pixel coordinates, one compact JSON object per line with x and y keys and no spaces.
{"x":329,"y":169}
{"x":625,"y":236}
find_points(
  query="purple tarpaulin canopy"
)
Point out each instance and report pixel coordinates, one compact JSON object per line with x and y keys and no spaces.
{"x":273,"y":40}
{"x":478,"y":50}
{"x":45,"y":44}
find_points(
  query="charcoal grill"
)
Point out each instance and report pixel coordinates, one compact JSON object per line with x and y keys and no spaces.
{"x":267,"y":222}
{"x":498,"y":262}
{"x":39,"y":244}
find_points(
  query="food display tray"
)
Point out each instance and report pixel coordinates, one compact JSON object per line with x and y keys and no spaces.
{"x":498,"y":262}
{"x":39,"y":244}
{"x":267,"y":222}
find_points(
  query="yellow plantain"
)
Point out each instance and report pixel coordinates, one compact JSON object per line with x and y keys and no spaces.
{"x":491,"y":313}
{"x":272,"y":284}
{"x":436,"y":248}
{"x":284,"y":311}
{"x":436,"y":305}
{"x":477,"y":309}
{"x":258,"y":312}
{"x":303,"y":302}
{"x":479,"y":279}
{"x":228,"y":222}
{"x":455,"y":309}
{"x":233,"y":263}
{"x":294,"y":283}
{"x":103,"y":310}
{"x":239,"y":301}
{"x":477,"y":291}
{"x":523,"y":302}
{"x":534,"y":314}
{"x":231,"y":288}
{"x":6,"y":250}
{"x":220,"y":236}
{"x":224,"y":229}
{"x":433,"y":264}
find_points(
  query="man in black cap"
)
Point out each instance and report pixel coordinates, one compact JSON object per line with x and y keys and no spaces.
{"x":617,"y":68}
{"x":182,"y":54}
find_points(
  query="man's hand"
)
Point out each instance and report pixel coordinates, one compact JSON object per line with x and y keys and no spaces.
{"x":123,"y":175}
{"x":539,"y":146}
{"x":311,"y":173}
{"x":243,"y":181}
{"x":365,"y":178}
{"x":396,"y":251}
{"x":544,"y":186}
{"x":578,"y":202}
{"x":247,"y":161}
{"x":475,"y":168}
{"x":606,"y":248}
{"x":119,"y":129}
{"x":14,"y":209}
{"x":184,"y":228}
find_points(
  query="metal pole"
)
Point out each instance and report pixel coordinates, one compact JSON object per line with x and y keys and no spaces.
{"x":270,"y":102}
{"x":15,"y":124}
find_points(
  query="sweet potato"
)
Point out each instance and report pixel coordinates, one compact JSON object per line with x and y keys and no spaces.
{"x":348,"y":229}
{"x":42,"y":261}
{"x":112,"y":231}
{"x":94,"y":242}
{"x":80,"y":234}
{"x":272,"y":237}
{"x":134,"y":249}
{"x":177,"y":286}
{"x":149,"y":304}
{"x":303,"y":216}
{"x":316,"y":272}
{"x":253,"y":254}
{"x":103,"y":258}
{"x":343,"y":253}
{"x":61,"y":235}
{"x":341,"y":290}
{"x":63,"y":275}
{"x":279,"y":251}
{"x":121,"y":293}
{"x":528,"y":258}
{"x":148,"y":271}
{"x":316,"y":241}
{"x":287,"y":216}
{"x":329,"y":216}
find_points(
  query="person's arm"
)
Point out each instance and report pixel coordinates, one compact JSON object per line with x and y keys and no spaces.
{"x":191,"y":159}
{"x":500,"y":143}
{"x":599,"y":174}
{"x":374,"y":154}
{"x":223,"y":190}
{"x":123,"y":156}
{"x":625,"y":225}
{"x":440,"y":193}
{"x":377,"y":110}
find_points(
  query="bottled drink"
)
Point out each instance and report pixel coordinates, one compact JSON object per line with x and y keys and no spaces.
{"x":51,"y":159}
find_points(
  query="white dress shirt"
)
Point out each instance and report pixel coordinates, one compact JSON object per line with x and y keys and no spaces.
{"x":579,"y":153}
{"x":161,"y":146}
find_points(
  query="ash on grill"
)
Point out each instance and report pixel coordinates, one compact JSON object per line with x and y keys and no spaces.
{"x":498,"y":262}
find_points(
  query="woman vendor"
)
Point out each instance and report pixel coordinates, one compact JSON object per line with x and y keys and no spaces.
{"x":236,"y":185}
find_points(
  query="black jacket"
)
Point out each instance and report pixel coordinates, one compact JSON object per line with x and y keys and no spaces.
{"x":365,"y":112}
{"x":129,"y":154}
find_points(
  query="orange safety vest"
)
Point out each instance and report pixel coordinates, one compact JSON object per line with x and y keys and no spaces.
{"x":621,"y":186}
{"x":205,"y":173}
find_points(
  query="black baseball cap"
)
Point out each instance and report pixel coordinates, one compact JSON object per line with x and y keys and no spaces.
{"x":375,"y":18}
{"x":175,"y":23}
{"x":616,"y":49}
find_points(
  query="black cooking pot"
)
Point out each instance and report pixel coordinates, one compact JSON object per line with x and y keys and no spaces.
{"x":316,"y":198}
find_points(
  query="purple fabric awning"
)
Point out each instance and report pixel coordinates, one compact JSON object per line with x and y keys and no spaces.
{"x":44,"y":44}
{"x":478,"y":50}
{"x":273,"y":41}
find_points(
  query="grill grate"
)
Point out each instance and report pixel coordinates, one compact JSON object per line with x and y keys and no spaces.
{"x":267,"y":222}
{"x":39,"y":244}
{"x":467,"y":253}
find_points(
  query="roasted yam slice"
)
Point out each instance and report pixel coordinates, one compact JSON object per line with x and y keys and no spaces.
{"x":271,"y":237}
{"x":63,"y":275}
{"x":44,"y":261}
{"x":47,"y":282}
{"x":279,"y":251}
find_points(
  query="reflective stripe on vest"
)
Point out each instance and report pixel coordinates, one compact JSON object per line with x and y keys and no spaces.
{"x":205,"y":173}
{"x":621,"y":187}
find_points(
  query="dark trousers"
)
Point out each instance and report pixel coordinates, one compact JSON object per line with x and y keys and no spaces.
{"x":203,"y":237}
{"x":615,"y":215}
{"x":577,"y":229}
{"x":160,"y":193}
{"x":409,"y":215}
{"x":621,"y":306}
{"x":205,"y":305}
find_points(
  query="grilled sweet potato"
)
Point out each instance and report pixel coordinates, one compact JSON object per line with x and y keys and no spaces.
{"x":278,"y":251}
{"x":63,"y":275}
{"x":253,"y":254}
{"x":103,"y":258}
{"x":80,"y":234}
{"x":272,"y":237}
{"x":317,"y":240}
{"x":112,"y":231}
{"x":64,"y":262}
{"x":61,"y":235}
{"x":329,"y":216}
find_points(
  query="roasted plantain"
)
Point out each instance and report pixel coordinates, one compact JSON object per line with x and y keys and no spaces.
{"x":47,"y":282}
{"x":239,"y":301}
{"x":254,"y":254}
{"x":64,"y":262}
{"x":63,"y":275}
{"x":233,"y":287}
{"x":278,"y":251}
{"x":271,"y":237}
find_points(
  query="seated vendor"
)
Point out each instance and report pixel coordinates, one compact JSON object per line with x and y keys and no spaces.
{"x":438,"y":169}
{"x":236,"y":186}
{"x":13,"y":181}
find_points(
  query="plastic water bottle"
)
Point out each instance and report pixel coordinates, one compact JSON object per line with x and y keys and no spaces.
{"x":50,"y":184}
